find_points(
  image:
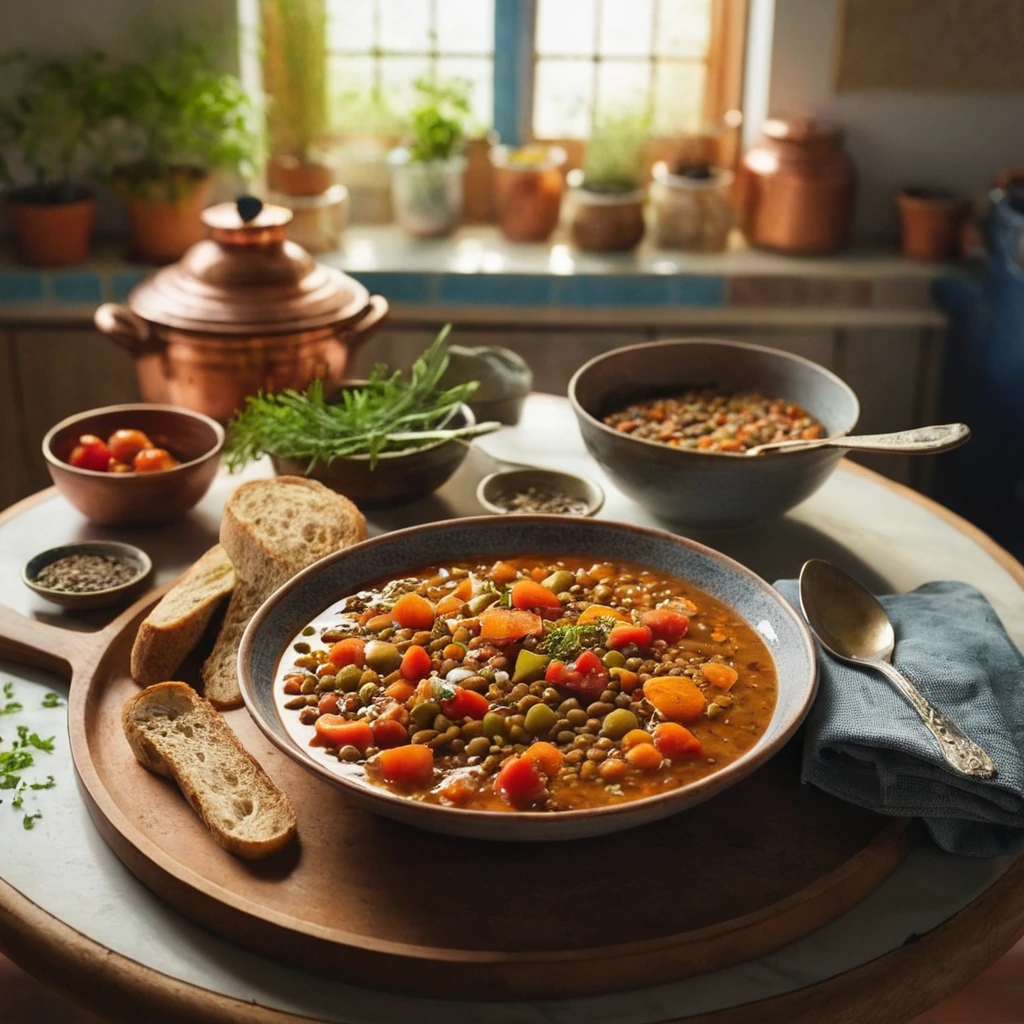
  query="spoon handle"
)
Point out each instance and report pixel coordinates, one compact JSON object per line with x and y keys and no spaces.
{"x":938,"y":438}
{"x":958,"y":749}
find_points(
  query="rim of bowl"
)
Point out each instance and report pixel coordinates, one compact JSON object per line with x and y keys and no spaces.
{"x":594,"y":499}
{"x":88,"y":546}
{"x":723,"y":343}
{"x":746,"y":763}
{"x":130,"y":407}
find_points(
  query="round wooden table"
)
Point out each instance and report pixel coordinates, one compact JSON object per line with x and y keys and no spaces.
{"x":72,"y":915}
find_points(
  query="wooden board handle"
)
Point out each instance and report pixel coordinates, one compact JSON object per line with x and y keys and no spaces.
{"x":29,"y":642}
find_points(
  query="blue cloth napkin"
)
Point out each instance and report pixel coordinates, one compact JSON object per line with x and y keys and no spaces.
{"x":866,"y":744}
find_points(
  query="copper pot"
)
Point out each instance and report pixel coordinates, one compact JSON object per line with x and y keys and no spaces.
{"x":244,"y":310}
{"x":794,"y":192}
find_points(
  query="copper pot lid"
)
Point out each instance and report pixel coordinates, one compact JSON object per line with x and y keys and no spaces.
{"x":247,"y":278}
{"x":802,"y":131}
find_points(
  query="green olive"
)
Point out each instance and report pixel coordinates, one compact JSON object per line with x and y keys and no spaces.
{"x":539,"y":719}
{"x":327,"y":684}
{"x":559,"y":581}
{"x":494,"y":724}
{"x":425,"y":713}
{"x":349,"y":678}
{"x":382,"y":657}
{"x":477,"y":604}
{"x":613,"y":659}
{"x":617,"y":723}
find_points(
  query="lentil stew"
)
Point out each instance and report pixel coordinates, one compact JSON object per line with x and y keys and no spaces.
{"x":529,"y":683}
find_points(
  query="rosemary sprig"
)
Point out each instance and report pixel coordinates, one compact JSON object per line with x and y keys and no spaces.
{"x":386,"y":414}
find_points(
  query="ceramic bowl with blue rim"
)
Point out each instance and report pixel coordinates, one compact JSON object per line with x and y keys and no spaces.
{"x":309,"y":594}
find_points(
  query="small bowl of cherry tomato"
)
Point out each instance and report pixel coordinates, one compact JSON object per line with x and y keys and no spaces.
{"x":134,"y":465}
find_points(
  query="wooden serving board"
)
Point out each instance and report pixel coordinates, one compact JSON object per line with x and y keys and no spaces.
{"x":384,"y":905}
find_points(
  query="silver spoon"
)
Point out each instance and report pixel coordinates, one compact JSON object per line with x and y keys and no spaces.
{"x":853,"y":627}
{"x":939,"y":438}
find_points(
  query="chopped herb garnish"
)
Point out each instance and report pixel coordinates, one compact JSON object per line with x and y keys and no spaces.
{"x":565,"y":642}
{"x":11,"y":706}
{"x":52,"y":700}
{"x":19,"y":797}
{"x":33,"y":739}
{"x":29,"y":821}
{"x":48,"y":784}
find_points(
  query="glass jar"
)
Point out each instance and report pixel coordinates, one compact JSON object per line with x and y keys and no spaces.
{"x":427,"y":194}
{"x":528,"y":187}
{"x":691,"y":211}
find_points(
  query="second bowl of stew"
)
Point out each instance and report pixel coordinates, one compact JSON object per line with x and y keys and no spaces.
{"x":529,"y":679}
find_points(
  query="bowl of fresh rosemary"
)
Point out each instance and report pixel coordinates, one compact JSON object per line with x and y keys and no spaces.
{"x":382,"y":441}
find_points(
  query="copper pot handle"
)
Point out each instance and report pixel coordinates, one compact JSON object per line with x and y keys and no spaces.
{"x":376,"y":313}
{"x":123,"y":326}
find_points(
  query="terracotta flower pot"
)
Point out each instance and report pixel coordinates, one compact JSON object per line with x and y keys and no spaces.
{"x":607,"y":221}
{"x":930,"y":221}
{"x":166,"y":222}
{"x":528,"y":185}
{"x":51,"y":234}
{"x":293,"y":177}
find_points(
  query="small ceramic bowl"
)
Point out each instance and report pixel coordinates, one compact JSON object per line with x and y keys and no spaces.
{"x":137,"y":499}
{"x":707,"y":490}
{"x":121,"y":594}
{"x":509,"y":482}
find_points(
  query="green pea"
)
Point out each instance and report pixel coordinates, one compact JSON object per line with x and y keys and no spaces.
{"x":368,"y":691}
{"x":382,"y":657}
{"x":349,"y":679}
{"x":494,"y":724}
{"x":558,"y":581}
{"x":539,"y":719}
{"x":614,"y":659}
{"x":617,"y":723}
{"x":425,"y":713}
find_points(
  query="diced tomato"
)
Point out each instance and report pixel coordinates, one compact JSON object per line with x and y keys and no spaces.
{"x":340,"y":732}
{"x":527,"y":594}
{"x":328,"y":704}
{"x":92,"y":453}
{"x":545,"y":756}
{"x":411,"y":765}
{"x":416,"y":664}
{"x":586,"y":675}
{"x":676,"y":742}
{"x":668,"y":624}
{"x":519,"y":782}
{"x":502,"y":572}
{"x":504,"y":625}
{"x":412,"y":611}
{"x":388,"y":733}
{"x":628,"y":634}
{"x":350,"y":651}
{"x":465,"y":704}
{"x":124,"y":445}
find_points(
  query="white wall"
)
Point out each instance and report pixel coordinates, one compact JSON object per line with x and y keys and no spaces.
{"x":957,"y":141}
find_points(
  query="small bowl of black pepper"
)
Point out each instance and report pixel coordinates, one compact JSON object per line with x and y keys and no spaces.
{"x":533,"y":491}
{"x":88,"y":574}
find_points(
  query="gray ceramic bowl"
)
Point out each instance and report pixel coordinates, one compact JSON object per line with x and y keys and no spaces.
{"x":701,"y":489}
{"x":312,"y":591}
{"x":108,"y":598}
{"x":508,"y":482}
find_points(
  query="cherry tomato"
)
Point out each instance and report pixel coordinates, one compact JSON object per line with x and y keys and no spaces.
{"x":520,"y":782}
{"x":124,"y":445}
{"x":586,"y":675}
{"x":465,"y":704}
{"x":629,"y":634}
{"x":91,"y":452}
{"x":667,"y":623}
{"x":153,"y":460}
{"x":388,"y":733}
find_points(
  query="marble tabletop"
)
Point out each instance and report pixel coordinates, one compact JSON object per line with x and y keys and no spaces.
{"x":63,"y":866}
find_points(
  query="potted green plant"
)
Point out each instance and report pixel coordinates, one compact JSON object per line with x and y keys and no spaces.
{"x":607,"y":192}
{"x":426,"y":174}
{"x":50,"y":111}
{"x":176,"y":121}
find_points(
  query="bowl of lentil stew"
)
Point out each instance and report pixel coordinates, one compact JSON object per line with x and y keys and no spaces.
{"x":716,"y":673}
{"x":669,"y":421}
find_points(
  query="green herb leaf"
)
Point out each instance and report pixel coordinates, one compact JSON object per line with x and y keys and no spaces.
{"x":48,"y":784}
{"x":19,"y":797}
{"x":52,"y":700}
{"x":565,"y":642}
{"x":29,"y":821}
{"x":33,"y":739}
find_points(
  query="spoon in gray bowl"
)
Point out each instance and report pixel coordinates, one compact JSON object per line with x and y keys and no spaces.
{"x":922,"y":440}
{"x":853,"y":626}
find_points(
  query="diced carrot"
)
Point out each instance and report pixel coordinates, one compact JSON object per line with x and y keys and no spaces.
{"x":450,"y":604}
{"x":464,"y":589}
{"x":328,"y":704}
{"x":634,"y":738}
{"x":676,"y":697}
{"x":721,"y":676}
{"x":410,"y":766}
{"x":667,"y":623}
{"x":379,"y":623}
{"x":503,"y":625}
{"x":465,"y":704}
{"x":628,"y":681}
{"x":400,"y":690}
{"x":416,"y":663}
{"x":527,"y":594}
{"x":545,"y":756}
{"x":388,"y":733}
{"x":537,"y":574}
{"x":502,"y":572}
{"x":292,"y":686}
{"x":454,"y":651}
{"x":340,"y":732}
{"x":595,"y":612}
{"x":676,"y":742}
{"x":519,"y":782}
{"x":613,"y":770}
{"x":627,"y":633}
{"x":351,"y":651}
{"x":645,"y":757}
{"x":413,"y":611}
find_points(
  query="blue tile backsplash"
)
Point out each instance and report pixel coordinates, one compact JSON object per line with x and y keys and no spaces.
{"x":84,"y":286}
{"x":21,"y":286}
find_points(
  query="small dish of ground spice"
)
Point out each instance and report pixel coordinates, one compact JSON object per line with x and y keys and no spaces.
{"x":89,"y":574}
{"x":532,"y":491}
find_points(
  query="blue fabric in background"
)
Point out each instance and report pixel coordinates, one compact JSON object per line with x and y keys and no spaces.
{"x":863,"y":742}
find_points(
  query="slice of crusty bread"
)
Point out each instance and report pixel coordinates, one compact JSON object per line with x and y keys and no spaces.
{"x":174,"y":732}
{"x":175,"y":625}
{"x":273,"y":528}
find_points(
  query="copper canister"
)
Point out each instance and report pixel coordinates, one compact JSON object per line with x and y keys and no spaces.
{"x":795,"y":191}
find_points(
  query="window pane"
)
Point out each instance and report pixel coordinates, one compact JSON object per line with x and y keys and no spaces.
{"x":562,"y":98}
{"x":480,"y":72}
{"x":565,"y":26}
{"x":350,"y":25}
{"x":397,"y":78}
{"x":623,"y":85}
{"x":684,"y":28}
{"x":678,"y":96}
{"x":626,"y":27}
{"x":465,"y":26}
{"x":404,"y":26}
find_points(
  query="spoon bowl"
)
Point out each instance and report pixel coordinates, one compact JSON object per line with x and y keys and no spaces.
{"x":919,"y":441}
